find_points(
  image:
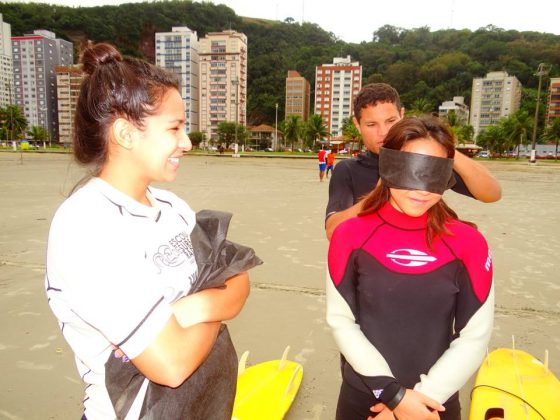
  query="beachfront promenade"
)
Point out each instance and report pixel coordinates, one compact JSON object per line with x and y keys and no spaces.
{"x":278,"y":207}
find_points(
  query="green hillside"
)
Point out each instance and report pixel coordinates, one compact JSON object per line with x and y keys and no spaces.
{"x":425,"y":65}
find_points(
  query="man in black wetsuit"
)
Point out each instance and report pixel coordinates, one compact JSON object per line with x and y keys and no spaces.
{"x":377,"y":108}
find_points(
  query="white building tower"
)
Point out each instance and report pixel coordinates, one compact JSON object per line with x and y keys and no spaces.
{"x":177,"y":51}
{"x":223,"y":80}
{"x":35,"y":58}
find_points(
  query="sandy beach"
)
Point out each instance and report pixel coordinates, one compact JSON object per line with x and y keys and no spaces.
{"x":278,"y":207}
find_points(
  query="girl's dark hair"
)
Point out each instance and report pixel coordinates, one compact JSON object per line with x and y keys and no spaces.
{"x":113,"y":87}
{"x":404,"y":131}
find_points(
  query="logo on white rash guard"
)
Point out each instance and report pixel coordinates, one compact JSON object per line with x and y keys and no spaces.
{"x":410,"y":257}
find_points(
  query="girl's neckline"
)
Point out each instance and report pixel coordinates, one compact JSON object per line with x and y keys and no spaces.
{"x":397,"y":218}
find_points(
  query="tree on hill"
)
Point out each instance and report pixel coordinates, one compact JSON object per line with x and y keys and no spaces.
{"x":419,"y":63}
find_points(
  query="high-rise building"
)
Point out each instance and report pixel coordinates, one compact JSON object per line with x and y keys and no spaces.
{"x":68,"y":81}
{"x":223,"y":80}
{"x":297,"y":95}
{"x":493,"y":97}
{"x":458,"y":106}
{"x":35,"y":58}
{"x":6,"y":64}
{"x":553,"y":106}
{"x":177,"y":51}
{"x":336,"y":85}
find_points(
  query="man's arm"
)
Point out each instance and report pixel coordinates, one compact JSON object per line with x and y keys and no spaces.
{"x":341,"y":204}
{"x":480,"y":182}
{"x":334,"y":219}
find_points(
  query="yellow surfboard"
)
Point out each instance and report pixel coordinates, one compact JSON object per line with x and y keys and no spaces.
{"x":266,"y":390}
{"x":513,"y":385}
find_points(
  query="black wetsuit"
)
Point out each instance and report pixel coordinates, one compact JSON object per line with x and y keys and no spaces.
{"x":403,"y":313}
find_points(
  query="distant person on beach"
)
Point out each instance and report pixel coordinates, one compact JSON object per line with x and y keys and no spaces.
{"x":410,"y":296}
{"x":377,"y":108}
{"x":330,"y":162}
{"x":121,"y":256}
{"x":322,"y":157}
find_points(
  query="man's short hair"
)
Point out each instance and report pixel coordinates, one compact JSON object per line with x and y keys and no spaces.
{"x":374,"y":93}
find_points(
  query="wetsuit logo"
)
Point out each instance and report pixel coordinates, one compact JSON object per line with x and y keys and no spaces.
{"x":410,"y":257}
{"x":488,"y":262}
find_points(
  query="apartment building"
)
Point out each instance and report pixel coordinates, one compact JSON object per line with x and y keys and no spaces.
{"x":493,"y":97}
{"x":336,"y":85}
{"x":6,"y":65}
{"x":223,"y":80}
{"x":297,"y":95}
{"x":68,"y":80}
{"x":553,"y":103}
{"x":458,"y":106}
{"x":35,"y":58}
{"x":177,"y":51}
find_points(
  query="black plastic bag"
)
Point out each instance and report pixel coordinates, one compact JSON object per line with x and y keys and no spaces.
{"x":217,"y":258}
{"x":210,"y":391}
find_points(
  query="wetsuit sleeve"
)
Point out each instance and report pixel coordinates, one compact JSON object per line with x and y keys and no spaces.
{"x":474,"y":319}
{"x":460,"y":187}
{"x":358,"y":351}
{"x":340,"y":190}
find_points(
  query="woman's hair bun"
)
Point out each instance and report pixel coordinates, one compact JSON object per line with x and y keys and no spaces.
{"x":95,"y":55}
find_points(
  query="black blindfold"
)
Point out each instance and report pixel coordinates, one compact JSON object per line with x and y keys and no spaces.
{"x":414,"y":171}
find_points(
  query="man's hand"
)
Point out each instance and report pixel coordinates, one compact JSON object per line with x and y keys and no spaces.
{"x":480,"y":182}
{"x":340,"y":216}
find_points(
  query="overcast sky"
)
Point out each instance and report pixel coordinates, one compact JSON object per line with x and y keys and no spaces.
{"x":356,"y":20}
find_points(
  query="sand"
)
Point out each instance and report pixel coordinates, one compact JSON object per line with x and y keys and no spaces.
{"x":278,"y":207}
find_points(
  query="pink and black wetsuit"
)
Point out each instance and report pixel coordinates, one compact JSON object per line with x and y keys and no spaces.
{"x":405,"y":314}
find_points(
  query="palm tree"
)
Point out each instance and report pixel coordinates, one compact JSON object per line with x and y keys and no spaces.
{"x":280,"y":128}
{"x":552,"y":133}
{"x":13,"y":121}
{"x":454,"y":124}
{"x":492,"y":138}
{"x":292,"y":130}
{"x":350,"y":132}
{"x":465,"y":134}
{"x":452,"y":119}
{"x":516,"y":128}
{"x":315,"y":128}
{"x":37,"y":134}
{"x":420,"y":107}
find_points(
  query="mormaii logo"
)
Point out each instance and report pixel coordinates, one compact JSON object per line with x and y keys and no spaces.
{"x":410,"y":257}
